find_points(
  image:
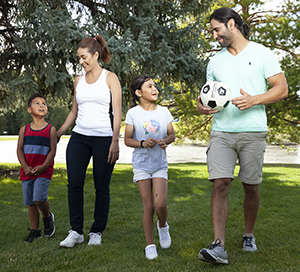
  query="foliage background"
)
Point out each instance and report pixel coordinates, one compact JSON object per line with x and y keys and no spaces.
{"x":169,"y":40}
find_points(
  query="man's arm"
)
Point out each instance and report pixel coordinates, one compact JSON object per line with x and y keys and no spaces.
{"x":278,"y":91}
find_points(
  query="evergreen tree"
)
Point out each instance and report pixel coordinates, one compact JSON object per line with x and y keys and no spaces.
{"x":144,"y":37}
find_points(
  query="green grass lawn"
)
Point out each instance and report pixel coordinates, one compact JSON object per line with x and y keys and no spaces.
{"x":123,"y":243}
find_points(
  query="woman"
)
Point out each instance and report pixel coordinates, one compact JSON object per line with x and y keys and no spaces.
{"x":97,"y":110}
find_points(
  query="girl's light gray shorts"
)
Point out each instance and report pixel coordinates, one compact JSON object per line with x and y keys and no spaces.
{"x":139,"y":174}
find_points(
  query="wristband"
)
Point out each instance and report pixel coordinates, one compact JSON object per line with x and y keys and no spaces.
{"x":142,"y":143}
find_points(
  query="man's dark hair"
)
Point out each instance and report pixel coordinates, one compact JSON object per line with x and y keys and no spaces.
{"x":223,"y":15}
{"x":35,"y":96}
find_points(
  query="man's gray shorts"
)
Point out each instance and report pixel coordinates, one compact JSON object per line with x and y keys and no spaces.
{"x":225,"y":148}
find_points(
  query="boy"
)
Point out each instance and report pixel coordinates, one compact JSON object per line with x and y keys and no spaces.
{"x":36,"y":150}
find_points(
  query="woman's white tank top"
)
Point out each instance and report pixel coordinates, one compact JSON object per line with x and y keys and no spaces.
{"x":94,"y":117}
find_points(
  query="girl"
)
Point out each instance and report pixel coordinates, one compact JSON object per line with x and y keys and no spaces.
{"x":149,"y":130}
{"x":97,"y":110}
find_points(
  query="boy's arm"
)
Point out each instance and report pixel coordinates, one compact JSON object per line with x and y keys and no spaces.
{"x":20,"y":153}
{"x":50,"y":156}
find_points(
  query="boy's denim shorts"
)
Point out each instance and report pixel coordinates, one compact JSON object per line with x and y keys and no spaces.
{"x":35,"y":190}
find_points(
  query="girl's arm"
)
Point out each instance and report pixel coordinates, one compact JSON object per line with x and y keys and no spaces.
{"x":116,"y":93}
{"x":129,"y":141}
{"x":50,"y":156}
{"x":21,"y":155}
{"x":163,"y":143}
{"x":71,"y":116}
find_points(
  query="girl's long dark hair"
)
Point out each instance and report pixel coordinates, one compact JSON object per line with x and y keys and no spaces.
{"x":136,"y":84}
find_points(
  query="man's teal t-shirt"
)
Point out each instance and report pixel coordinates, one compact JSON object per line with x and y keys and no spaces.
{"x":249,"y":71}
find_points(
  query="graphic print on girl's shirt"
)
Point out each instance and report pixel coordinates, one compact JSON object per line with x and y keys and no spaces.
{"x":151,"y":126}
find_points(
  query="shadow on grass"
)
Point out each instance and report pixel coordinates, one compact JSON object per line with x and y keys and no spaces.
{"x":189,"y":195}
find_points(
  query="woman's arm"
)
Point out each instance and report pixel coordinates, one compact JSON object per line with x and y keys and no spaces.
{"x":116,"y":93}
{"x":71,"y":116}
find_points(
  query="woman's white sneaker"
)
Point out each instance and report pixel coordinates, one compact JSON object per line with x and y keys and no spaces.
{"x":95,"y":238}
{"x":164,"y":236}
{"x":151,"y":252}
{"x":72,"y":239}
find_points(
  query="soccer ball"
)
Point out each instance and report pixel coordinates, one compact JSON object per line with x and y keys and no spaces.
{"x":215,"y":95}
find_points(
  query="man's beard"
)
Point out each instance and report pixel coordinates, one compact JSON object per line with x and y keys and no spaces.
{"x":225,"y":41}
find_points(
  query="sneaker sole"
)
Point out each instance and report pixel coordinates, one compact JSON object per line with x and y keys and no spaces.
{"x":206,"y":257}
{"x":94,"y":244}
{"x":249,"y":249}
{"x":28,"y":242}
{"x":67,"y":246}
{"x":49,"y":235}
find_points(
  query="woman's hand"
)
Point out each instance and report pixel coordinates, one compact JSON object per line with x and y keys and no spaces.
{"x":113,"y":154}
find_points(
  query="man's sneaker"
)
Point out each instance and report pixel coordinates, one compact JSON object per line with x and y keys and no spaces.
{"x":49,"y":228}
{"x":214,"y":254}
{"x":95,"y":238}
{"x":164,"y":236}
{"x":32,"y":235}
{"x":151,"y":252}
{"x":249,"y":243}
{"x":72,"y":239}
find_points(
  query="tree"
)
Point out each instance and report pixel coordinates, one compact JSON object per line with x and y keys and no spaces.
{"x":276,"y":29}
{"x":143,"y":36}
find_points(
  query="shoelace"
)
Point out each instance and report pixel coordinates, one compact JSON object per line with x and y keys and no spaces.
{"x":47,"y":222}
{"x":71,"y":234}
{"x":32,"y":233}
{"x":151,"y":251}
{"x":217,"y":243}
{"x":94,"y":236}
{"x":247,"y":241}
{"x":164,"y":235}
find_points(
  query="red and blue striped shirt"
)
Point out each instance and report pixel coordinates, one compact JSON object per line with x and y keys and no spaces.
{"x":36,"y":148}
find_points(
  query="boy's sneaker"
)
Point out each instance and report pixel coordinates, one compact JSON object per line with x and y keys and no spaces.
{"x":151,"y":252}
{"x":33,"y":235}
{"x":49,"y":228}
{"x":164,"y":236}
{"x":72,"y":239}
{"x":95,"y":238}
{"x":249,"y":243}
{"x":214,"y":254}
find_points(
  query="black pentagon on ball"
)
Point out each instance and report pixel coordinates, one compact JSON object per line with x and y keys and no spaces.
{"x":222,"y":91}
{"x":212,"y":104}
{"x":226,"y":104}
{"x":206,"y":89}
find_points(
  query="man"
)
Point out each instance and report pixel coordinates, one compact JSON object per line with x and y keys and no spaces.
{"x":239,"y":130}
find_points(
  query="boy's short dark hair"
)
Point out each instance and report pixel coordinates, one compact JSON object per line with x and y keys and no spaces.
{"x":35,"y":96}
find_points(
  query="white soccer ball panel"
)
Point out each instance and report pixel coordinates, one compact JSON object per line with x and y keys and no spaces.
{"x":215,"y":95}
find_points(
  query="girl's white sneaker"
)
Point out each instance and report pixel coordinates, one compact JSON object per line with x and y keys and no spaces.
{"x":151,"y":252}
{"x":164,"y":236}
